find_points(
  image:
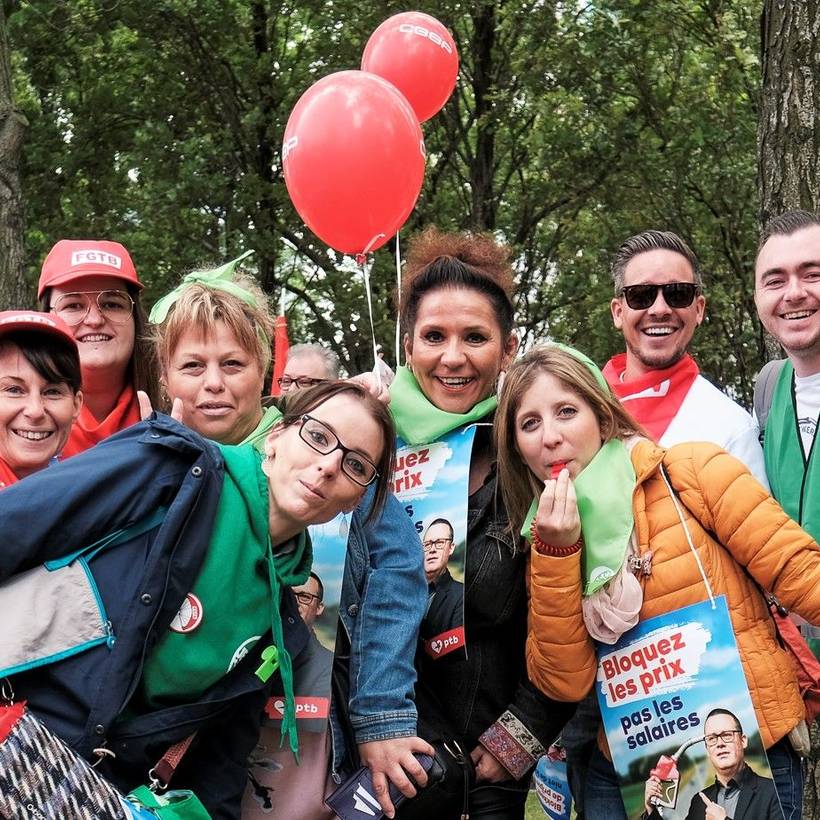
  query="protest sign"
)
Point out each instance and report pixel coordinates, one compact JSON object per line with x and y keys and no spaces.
{"x":656,"y":688}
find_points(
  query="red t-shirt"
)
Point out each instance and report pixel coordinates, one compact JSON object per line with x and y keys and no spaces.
{"x":87,"y":431}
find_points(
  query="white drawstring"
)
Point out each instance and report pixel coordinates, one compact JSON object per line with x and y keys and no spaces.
{"x":398,"y":302}
{"x":688,"y":535}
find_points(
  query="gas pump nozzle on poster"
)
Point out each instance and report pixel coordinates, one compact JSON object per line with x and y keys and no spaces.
{"x":666,"y":770}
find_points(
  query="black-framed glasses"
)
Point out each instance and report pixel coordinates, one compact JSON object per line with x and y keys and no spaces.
{"x":306,"y":598}
{"x":320,"y":437}
{"x":675,"y":294}
{"x":437,"y":544}
{"x":116,"y":305}
{"x":299,"y":381}
{"x":725,"y":737}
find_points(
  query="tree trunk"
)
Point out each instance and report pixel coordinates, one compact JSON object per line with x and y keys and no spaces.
{"x":788,"y":136}
{"x":13,"y":291}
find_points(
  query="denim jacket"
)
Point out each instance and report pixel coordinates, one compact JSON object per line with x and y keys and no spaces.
{"x":384,"y":593}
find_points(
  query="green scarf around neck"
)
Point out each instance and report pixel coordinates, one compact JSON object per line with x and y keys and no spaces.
{"x":418,"y":420}
{"x":604,"y":491}
{"x":286,"y":569}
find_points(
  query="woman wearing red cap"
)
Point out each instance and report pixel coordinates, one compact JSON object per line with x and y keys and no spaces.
{"x":39,"y":391}
{"x":93,"y":286}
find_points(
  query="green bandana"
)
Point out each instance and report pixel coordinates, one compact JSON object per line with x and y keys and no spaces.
{"x":418,"y":420}
{"x":220,"y":278}
{"x":604,"y":491}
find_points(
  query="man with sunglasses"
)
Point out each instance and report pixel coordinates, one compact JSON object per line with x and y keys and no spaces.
{"x":658,"y":305}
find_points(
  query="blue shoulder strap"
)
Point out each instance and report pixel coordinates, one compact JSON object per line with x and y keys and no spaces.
{"x":150,"y":521}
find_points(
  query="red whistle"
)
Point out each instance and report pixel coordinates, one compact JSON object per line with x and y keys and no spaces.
{"x":556,"y":468}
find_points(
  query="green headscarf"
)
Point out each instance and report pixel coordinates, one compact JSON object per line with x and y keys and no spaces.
{"x":220,"y":278}
{"x":418,"y":420}
{"x":604,"y":491}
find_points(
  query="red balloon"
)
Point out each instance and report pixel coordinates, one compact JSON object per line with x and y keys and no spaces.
{"x":416,"y":53}
{"x":353,"y":158}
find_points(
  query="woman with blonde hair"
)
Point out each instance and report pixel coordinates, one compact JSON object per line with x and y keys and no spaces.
{"x":213,"y":345}
{"x":599,"y":502}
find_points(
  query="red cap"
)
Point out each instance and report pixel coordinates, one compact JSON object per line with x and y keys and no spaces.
{"x":73,"y":259}
{"x":12,"y":320}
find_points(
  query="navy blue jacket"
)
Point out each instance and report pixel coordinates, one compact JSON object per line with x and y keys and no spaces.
{"x":143,"y":583}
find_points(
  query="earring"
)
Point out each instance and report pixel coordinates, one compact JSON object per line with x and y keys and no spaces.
{"x":267,"y":465}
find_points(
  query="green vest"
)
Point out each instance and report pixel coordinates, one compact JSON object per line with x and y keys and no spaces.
{"x":794,"y":480}
{"x":231,"y":607}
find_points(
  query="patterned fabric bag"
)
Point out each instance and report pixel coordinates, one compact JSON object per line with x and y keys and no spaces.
{"x":43,"y":779}
{"x":40,"y":777}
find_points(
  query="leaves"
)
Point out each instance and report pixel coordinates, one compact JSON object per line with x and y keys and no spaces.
{"x":572,"y":126}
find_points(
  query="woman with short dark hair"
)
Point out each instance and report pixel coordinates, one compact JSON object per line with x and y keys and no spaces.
{"x":40,"y":393}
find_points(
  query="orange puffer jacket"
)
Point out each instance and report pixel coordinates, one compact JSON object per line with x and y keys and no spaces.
{"x":734,"y":524}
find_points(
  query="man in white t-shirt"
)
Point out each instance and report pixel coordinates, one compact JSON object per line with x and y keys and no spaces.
{"x":658,"y":305}
{"x":787,"y":295}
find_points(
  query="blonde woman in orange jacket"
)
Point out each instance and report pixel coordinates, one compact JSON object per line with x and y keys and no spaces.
{"x":556,"y":420}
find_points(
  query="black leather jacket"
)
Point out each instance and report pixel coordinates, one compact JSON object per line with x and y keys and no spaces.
{"x":466,"y":695}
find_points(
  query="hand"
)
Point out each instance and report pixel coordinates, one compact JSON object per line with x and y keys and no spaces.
{"x":556,"y":521}
{"x":146,"y":408}
{"x":713,"y":811}
{"x":487,"y":767}
{"x":371,"y":383}
{"x":394,"y":759}
{"x":652,"y":789}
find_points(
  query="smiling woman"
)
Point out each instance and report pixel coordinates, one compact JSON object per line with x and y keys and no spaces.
{"x":93,"y":287}
{"x":214,"y":350}
{"x":457,"y":319}
{"x":39,"y":391}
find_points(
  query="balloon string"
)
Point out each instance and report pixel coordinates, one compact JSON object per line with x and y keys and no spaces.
{"x":398,"y":301}
{"x":366,"y":268}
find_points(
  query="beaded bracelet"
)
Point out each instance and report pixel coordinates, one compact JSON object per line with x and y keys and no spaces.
{"x":555,"y":552}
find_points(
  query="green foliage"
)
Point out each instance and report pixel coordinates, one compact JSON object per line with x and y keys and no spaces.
{"x":572,"y":127}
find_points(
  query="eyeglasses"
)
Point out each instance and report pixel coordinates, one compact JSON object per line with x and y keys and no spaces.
{"x":306,"y":597}
{"x":725,"y":737}
{"x":675,"y":294}
{"x":299,"y":381}
{"x":321,"y":438}
{"x":438,"y":544}
{"x":116,"y":305}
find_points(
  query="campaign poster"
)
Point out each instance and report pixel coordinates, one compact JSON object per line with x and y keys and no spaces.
{"x":432,"y":481}
{"x":677,"y":712}
{"x":275,"y":781}
{"x":552,"y":785}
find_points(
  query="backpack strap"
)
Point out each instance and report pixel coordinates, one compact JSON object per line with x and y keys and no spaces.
{"x":145,"y":524}
{"x":764,"y":391}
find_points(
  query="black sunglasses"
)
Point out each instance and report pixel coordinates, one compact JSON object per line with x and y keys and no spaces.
{"x":675,"y":294}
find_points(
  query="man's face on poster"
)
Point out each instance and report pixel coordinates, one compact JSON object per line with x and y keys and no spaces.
{"x":309,"y":601}
{"x":438,"y":547}
{"x":725,"y":743}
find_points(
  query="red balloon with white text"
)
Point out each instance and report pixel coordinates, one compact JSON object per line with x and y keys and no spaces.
{"x":416,"y":53}
{"x":353,"y":159}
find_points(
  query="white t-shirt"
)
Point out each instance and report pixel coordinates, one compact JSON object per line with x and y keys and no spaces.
{"x":807,"y":398}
